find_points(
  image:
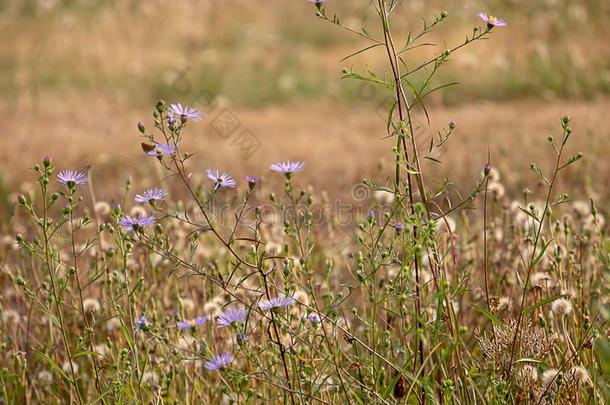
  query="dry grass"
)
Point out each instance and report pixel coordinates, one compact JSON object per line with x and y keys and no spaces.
{"x":341,"y":145}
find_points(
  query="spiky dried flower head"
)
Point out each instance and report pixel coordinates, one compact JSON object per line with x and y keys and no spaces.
{"x":66,"y":368}
{"x":527,"y":375}
{"x":383,"y":197}
{"x":151,"y":379}
{"x":212,"y":308}
{"x":10,"y":316}
{"x":579,"y":375}
{"x":91,"y":306}
{"x":541,"y":280}
{"x":562,"y":307}
{"x":550,"y":376}
{"x":102,"y":208}
{"x":188,"y":304}
{"x":112,"y":325}
{"x":533,"y":344}
{"x":497,"y":189}
{"x":301,"y":297}
{"x":44,"y":377}
{"x":504,"y":304}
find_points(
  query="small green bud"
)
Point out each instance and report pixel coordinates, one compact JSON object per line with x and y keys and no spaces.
{"x":161,"y":106}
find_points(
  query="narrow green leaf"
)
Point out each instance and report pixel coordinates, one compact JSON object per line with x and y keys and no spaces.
{"x":490,"y":316}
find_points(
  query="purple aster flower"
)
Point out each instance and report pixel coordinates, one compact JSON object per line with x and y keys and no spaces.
{"x":252,"y":181}
{"x":277,"y":302}
{"x":135,"y":223}
{"x":317,"y":1}
{"x":314,"y":318}
{"x":231,"y":316}
{"x":487,"y":169}
{"x":399,"y":227}
{"x":152,"y":194}
{"x":218,"y":362}
{"x":220,"y":180}
{"x":187,"y":112}
{"x":192,"y":323}
{"x":72,"y":178}
{"x":288,"y":167}
{"x":492,"y":21}
{"x":141,"y":323}
{"x":242,"y":337}
{"x":161,"y":149}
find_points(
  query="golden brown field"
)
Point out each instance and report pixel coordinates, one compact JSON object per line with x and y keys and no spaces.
{"x":76,"y":79}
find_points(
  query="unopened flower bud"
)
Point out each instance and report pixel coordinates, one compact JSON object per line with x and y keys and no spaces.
{"x":161,"y":106}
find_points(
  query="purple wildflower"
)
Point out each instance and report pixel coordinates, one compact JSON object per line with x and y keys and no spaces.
{"x":220,"y":180}
{"x":135,"y":223}
{"x":192,"y":323}
{"x":314,"y":318}
{"x":277,"y":302}
{"x":492,"y":21}
{"x":252,"y":181}
{"x":218,"y":362}
{"x":141,"y":322}
{"x":242,"y":337}
{"x":231,"y":316}
{"x":152,"y":194}
{"x":487,"y":169}
{"x":72,"y":178}
{"x":187,"y":112}
{"x":317,"y":1}
{"x":399,"y":227}
{"x":161,"y":149}
{"x":288,"y":167}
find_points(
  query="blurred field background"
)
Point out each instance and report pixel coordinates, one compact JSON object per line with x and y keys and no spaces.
{"x":76,"y":77}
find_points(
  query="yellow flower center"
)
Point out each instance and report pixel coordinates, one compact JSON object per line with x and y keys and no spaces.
{"x":492,"y":19}
{"x":193,"y":323}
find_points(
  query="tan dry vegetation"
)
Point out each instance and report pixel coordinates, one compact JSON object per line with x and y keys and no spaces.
{"x":340,"y":145}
